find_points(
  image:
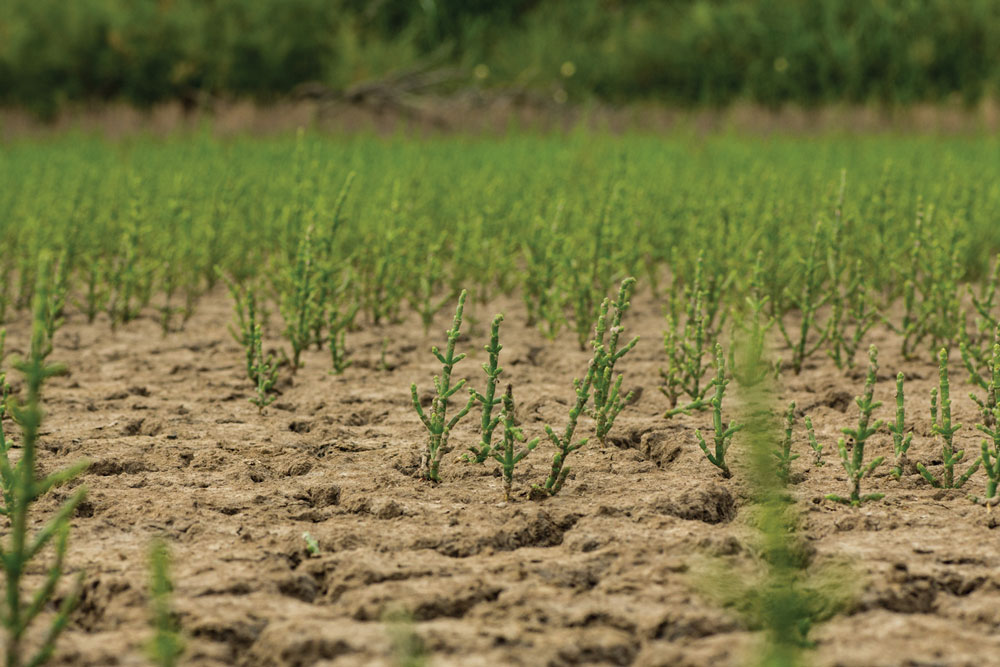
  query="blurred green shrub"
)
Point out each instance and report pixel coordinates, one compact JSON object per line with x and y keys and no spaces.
{"x":688,"y":52}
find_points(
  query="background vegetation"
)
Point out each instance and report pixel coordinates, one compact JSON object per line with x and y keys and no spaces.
{"x":688,"y":52}
{"x":547,"y":217}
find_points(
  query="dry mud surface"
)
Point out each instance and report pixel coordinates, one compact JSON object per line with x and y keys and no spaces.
{"x":496,"y":113}
{"x":599,"y":575}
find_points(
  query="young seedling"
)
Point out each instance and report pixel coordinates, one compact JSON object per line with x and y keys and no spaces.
{"x":4,"y":387}
{"x":540,"y":288}
{"x":378,"y":265}
{"x":337,"y":326}
{"x":166,"y":647}
{"x":586,"y":276}
{"x":436,"y":422}
{"x":5,"y":390}
{"x":977,"y":348}
{"x":854,"y":462}
{"x":244,"y":327}
{"x":942,"y":296}
{"x":312,"y":546}
{"x":608,"y":401}
{"x":685,"y":370}
{"x":383,"y":363}
{"x":488,"y":401}
{"x":56,"y":302}
{"x":751,"y":370}
{"x":987,"y":321}
{"x":860,"y":314}
{"x":507,"y":457}
{"x":816,"y":447}
{"x":173,"y":272}
{"x":991,"y":463}
{"x":791,"y":594}
{"x":978,"y":368}
{"x":22,"y":487}
{"x":427,"y":285}
{"x":724,"y":433}
{"x":95,"y":293}
{"x":329,"y":270}
{"x":564,"y":444}
{"x":265,"y":370}
{"x":931,"y":296}
{"x":985,"y":302}
{"x":808,"y":300}
{"x":5,"y":285}
{"x":783,"y":453}
{"x":712,"y":289}
{"x":900,"y":438}
{"x":941,"y":426}
{"x":298,"y":300}
{"x":990,"y":425}
{"x":130,"y":275}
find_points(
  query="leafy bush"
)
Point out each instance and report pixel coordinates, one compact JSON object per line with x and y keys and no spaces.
{"x":685,"y":52}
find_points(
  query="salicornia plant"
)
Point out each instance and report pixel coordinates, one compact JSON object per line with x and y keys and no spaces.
{"x":991,"y":463}
{"x":853,"y":317}
{"x":264,"y":371}
{"x":931,"y":299}
{"x":711,"y":290}
{"x":95,"y":292}
{"x":56,"y":299}
{"x":488,"y":399}
{"x":298,"y":299}
{"x":244,"y":327}
{"x":854,"y":461}
{"x":985,"y":302}
{"x":608,"y":401}
{"x":807,"y":300}
{"x":783,"y":452}
{"x":982,"y":372}
{"x":753,"y":329}
{"x":942,"y":426}
{"x":130,"y":275}
{"x":166,"y":647}
{"x":564,"y":443}
{"x":337,"y":325}
{"x":424,"y":297}
{"x":723,"y":433}
{"x":512,"y":435}
{"x":436,"y":421}
{"x":22,"y":486}
{"x":312,"y":546}
{"x":585,"y":272}
{"x":816,"y":447}
{"x":685,"y":350}
{"x":979,"y":344}
{"x":790,"y":595}
{"x":901,"y":439}
{"x":989,"y":411}
{"x":540,"y":288}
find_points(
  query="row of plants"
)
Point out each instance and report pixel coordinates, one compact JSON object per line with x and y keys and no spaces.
{"x":336,"y":234}
{"x":851,"y":448}
{"x":598,"y":395}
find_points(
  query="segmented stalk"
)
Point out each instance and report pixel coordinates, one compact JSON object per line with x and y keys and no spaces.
{"x":854,"y":462}
{"x":438,"y":426}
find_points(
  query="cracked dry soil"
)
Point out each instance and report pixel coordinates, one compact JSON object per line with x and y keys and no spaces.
{"x":599,"y":575}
